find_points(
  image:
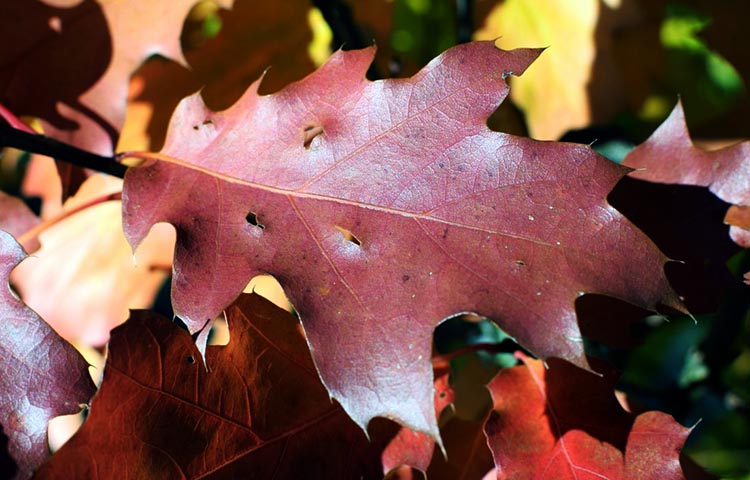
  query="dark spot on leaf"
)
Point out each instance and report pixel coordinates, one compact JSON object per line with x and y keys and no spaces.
{"x":309,"y":133}
{"x":208,"y":121}
{"x":349,"y":236}
{"x":442,"y":394}
{"x":190,"y":359}
{"x":252,"y":219}
{"x":405,"y":278}
{"x":195,"y":127}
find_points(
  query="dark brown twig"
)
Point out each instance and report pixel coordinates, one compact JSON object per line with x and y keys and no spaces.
{"x":35,"y":143}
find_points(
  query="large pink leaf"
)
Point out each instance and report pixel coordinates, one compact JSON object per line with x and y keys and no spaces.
{"x":385,"y":207}
{"x":259,"y":412}
{"x":565,"y":423}
{"x":42,"y":375}
{"x":669,"y":156}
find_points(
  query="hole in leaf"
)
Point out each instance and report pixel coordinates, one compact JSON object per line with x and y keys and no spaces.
{"x":309,"y":133}
{"x":190,"y":359}
{"x":349,"y":236}
{"x":268,"y":287}
{"x":252,"y":219}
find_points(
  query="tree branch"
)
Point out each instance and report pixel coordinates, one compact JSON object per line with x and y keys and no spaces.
{"x":35,"y":143}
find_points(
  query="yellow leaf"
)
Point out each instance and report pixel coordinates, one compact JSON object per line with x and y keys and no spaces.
{"x":552,"y":92}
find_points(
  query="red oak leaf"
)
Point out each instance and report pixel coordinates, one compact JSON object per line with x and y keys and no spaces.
{"x":563,"y":422}
{"x":82,"y":101}
{"x":669,"y":156}
{"x":42,"y":376}
{"x":260,"y":411}
{"x":385,"y":207}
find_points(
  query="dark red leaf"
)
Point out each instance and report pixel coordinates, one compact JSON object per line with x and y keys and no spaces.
{"x":42,"y":376}
{"x":563,"y":422}
{"x":402,"y":210}
{"x":259,"y":412}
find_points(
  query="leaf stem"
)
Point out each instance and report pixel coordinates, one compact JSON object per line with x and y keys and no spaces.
{"x":31,"y":234}
{"x":36,"y":143}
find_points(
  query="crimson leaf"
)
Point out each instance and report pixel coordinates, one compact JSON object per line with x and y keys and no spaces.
{"x":563,"y":422}
{"x":385,"y":207}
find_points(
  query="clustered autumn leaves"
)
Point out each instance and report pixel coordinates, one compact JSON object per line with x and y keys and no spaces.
{"x":404,"y":209}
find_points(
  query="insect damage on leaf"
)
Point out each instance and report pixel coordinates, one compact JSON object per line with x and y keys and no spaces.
{"x":418,"y":186}
{"x":310,"y":132}
{"x":252,"y":219}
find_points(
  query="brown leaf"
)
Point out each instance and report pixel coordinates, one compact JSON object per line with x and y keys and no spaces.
{"x":258,"y":412}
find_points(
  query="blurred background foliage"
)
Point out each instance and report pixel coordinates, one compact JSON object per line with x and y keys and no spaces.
{"x":611,"y":73}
